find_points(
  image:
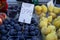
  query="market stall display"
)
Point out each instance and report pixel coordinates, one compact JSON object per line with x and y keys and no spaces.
{"x":45,"y":23}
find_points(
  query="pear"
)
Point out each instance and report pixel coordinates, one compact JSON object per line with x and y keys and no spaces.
{"x":43,"y":22}
{"x":56,"y":10}
{"x":50,"y":19}
{"x":38,"y":9}
{"x":52,"y":27}
{"x":44,"y":8}
{"x":56,"y":22}
{"x":52,"y":36}
{"x":53,"y":15}
{"x":45,"y":30}
{"x":42,"y":15}
{"x":50,"y":8}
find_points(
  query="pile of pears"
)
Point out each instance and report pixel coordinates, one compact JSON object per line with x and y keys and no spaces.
{"x":49,"y":21}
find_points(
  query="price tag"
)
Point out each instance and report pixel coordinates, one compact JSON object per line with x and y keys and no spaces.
{"x":26,"y":13}
{"x":50,"y":3}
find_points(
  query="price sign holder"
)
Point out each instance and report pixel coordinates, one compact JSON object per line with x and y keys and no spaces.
{"x":26,"y":13}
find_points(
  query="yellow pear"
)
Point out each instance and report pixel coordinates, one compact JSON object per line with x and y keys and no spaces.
{"x":43,"y":22}
{"x":45,"y":30}
{"x":38,"y":9}
{"x":52,"y":14}
{"x":38,"y":12}
{"x":44,"y":9}
{"x":45,"y":19}
{"x":52,"y":27}
{"x":50,"y":8}
{"x":50,"y":19}
{"x":42,"y":18}
{"x":52,"y":36}
{"x":56,"y":10}
{"x":56,"y":22}
{"x":42,"y":15}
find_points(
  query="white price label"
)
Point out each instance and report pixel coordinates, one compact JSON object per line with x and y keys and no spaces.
{"x":50,"y":3}
{"x":26,"y":13}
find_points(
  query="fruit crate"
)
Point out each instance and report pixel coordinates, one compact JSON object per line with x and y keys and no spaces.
{"x":11,"y":29}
